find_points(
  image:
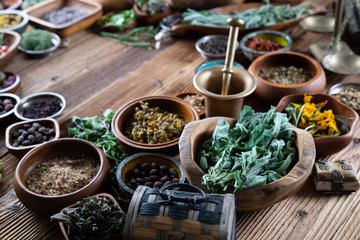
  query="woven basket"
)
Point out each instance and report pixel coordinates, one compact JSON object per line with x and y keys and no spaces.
{"x":168,"y":214}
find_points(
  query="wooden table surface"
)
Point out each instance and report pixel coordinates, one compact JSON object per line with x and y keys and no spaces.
{"x":95,"y":74}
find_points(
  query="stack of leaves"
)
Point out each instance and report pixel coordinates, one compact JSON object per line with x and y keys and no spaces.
{"x":257,"y":150}
{"x":308,"y":116}
{"x":92,"y":218}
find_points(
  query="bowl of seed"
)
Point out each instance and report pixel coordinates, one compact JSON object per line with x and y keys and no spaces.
{"x":213,"y":46}
{"x":60,"y":172}
{"x":279,"y":74}
{"x":195,"y":99}
{"x":347,"y":93}
{"x":152,"y":124}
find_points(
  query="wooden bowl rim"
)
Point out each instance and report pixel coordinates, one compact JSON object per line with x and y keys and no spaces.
{"x":14,"y":85}
{"x":320,"y":71}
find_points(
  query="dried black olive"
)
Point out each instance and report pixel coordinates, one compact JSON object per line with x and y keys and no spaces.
{"x":153,"y":165}
{"x":164,"y":179}
{"x":137,"y":172}
{"x":158,"y":184}
{"x":132,"y":181}
{"x":139,"y":180}
{"x":154,"y":172}
{"x":173,"y":171}
{"x":145,"y":166}
{"x":163,"y":168}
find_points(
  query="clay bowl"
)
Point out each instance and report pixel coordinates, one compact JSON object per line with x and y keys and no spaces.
{"x":332,"y":144}
{"x":147,"y":19}
{"x":106,"y":195}
{"x":271,"y":92}
{"x":64,"y":147}
{"x":252,"y":199}
{"x":13,"y":87}
{"x":15,"y":100}
{"x":167,"y":103}
{"x":21,"y":151}
{"x":182,"y":95}
{"x":129,"y":163}
{"x":12,"y":40}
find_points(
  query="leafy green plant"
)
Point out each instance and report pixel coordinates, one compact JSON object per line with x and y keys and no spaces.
{"x":120,"y":20}
{"x":92,"y":218}
{"x":256,"y":151}
{"x":36,"y":39}
{"x":152,"y":7}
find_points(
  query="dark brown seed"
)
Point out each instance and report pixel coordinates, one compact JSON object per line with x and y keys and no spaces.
{"x":137,"y":172}
{"x":132,"y":181}
{"x":164,"y":179}
{"x":174,"y":180}
{"x":145,"y":166}
{"x":154,"y":178}
{"x":146,"y":179}
{"x":153,"y":165}
{"x":173,"y":171}
{"x":139,"y":180}
{"x":154,"y":172}
{"x":158,"y":184}
{"x":149,"y":184}
{"x":163,"y":168}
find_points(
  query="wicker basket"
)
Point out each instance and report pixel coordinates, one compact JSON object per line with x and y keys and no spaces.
{"x":169,"y":214}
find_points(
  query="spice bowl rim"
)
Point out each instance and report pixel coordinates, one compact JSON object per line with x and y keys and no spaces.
{"x":22,"y":25}
{"x":14,"y":97}
{"x":182,"y":94}
{"x":339,"y":86}
{"x":30,"y":97}
{"x":13,"y":87}
{"x":56,"y":40}
{"x":206,"y":38}
{"x":21,"y":151}
{"x":140,"y":155}
{"x":246,"y":50}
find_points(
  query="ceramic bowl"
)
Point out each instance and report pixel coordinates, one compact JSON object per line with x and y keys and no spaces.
{"x":41,"y":53}
{"x":93,"y":13}
{"x":332,"y":144}
{"x":270,"y":92}
{"x":214,"y":62}
{"x":182,"y":95}
{"x":22,"y":25}
{"x":62,"y":225}
{"x":280,"y":37}
{"x":64,"y":147}
{"x":211,"y":41}
{"x":12,"y":40}
{"x":33,"y":98}
{"x":21,"y":151}
{"x":15,"y":101}
{"x":251,"y":199}
{"x":335,"y":89}
{"x":147,"y":19}
{"x":129,"y":163}
{"x":167,"y":103}
{"x":13,"y":87}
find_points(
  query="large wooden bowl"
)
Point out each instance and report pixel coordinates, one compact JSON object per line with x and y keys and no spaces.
{"x":11,"y":39}
{"x":328,"y":145}
{"x":69,"y":147}
{"x":252,"y":199}
{"x":272,"y":92}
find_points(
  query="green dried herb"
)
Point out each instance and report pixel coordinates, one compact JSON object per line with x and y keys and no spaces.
{"x":36,"y":40}
{"x":152,"y":7}
{"x":92,"y":218}
{"x":120,"y":20}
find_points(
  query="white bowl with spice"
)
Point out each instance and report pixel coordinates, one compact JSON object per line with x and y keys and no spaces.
{"x":59,"y":173}
{"x":347,"y":93}
{"x":279,"y":74}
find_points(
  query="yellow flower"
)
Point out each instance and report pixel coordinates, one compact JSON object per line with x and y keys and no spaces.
{"x":307,"y":98}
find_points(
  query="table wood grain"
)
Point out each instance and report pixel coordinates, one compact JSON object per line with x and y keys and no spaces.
{"x":94,"y":74}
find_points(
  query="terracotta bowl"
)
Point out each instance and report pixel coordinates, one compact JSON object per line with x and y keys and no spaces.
{"x":13,"y":87}
{"x":62,"y":226}
{"x":328,"y":145}
{"x":272,"y":92}
{"x":130,"y":163}
{"x":64,"y":147}
{"x":147,"y":19}
{"x":182,"y":95}
{"x":11,"y":39}
{"x":167,"y":103}
{"x":252,"y":199}
{"x":21,"y":151}
{"x":15,"y":100}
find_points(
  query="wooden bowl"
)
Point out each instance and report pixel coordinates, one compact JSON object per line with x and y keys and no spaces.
{"x":130,"y":162}
{"x":36,"y":12}
{"x":251,"y":199}
{"x":271,"y":92}
{"x":15,"y":100}
{"x":114,"y":5}
{"x":64,"y":147}
{"x":11,"y":4}
{"x":21,"y":151}
{"x":147,"y":19}
{"x":62,"y":226}
{"x":11,"y":39}
{"x":327,"y":145}
{"x":167,"y":103}
{"x":182,"y":95}
{"x":13,"y":87}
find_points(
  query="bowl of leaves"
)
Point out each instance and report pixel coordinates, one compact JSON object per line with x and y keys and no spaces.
{"x":331,"y":123}
{"x":259,"y":157}
{"x":150,"y":12}
{"x":94,"y":217}
{"x":118,"y":21}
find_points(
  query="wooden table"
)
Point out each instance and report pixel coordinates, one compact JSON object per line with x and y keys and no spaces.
{"x":95,"y":74}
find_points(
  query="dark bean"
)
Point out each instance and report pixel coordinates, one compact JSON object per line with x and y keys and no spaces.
{"x":25,"y":134}
{"x":31,"y":138}
{"x":20,"y":131}
{"x":20,"y":139}
{"x":27,"y":125}
{"x":153,"y":165}
{"x":149,"y":184}
{"x":143,"y":173}
{"x":146,"y":179}
{"x":132,"y":181}
{"x":31,"y":130}
{"x":163,"y":168}
{"x":168,"y":182}
{"x":137,"y":172}
{"x":15,"y":135}
{"x":154,"y":178}
{"x":172,"y":171}
{"x":164,"y":179}
{"x":36,"y":126}
{"x":138,"y":165}
{"x":175,"y":180}
{"x":8,"y":107}
{"x":38,"y":137}
{"x":51,"y":138}
{"x":45,"y":138}
{"x":154,"y":172}
{"x":161,"y":173}
{"x":145,"y":166}
{"x":158,"y":184}
{"x":42,"y":130}
{"x":27,"y":143}
{"x":15,"y":144}
{"x":52,"y":132}
{"x":139,"y":180}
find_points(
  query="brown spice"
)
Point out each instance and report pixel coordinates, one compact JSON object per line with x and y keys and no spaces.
{"x":197,"y":101}
{"x":285,"y":75}
{"x":349,"y":96}
{"x":265,"y":45}
{"x":62,"y":175}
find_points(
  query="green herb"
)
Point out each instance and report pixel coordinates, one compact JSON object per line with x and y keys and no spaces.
{"x":266,"y":15}
{"x":137,"y":37}
{"x":256,"y":151}
{"x":120,"y":20}
{"x":36,"y":40}
{"x":29,"y":3}
{"x":152,"y":7}
{"x":92,"y":218}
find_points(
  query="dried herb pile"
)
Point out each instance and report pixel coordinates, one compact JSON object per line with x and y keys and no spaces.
{"x":257,"y":150}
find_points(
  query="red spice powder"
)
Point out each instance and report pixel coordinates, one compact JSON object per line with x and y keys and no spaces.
{"x":260,"y":44}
